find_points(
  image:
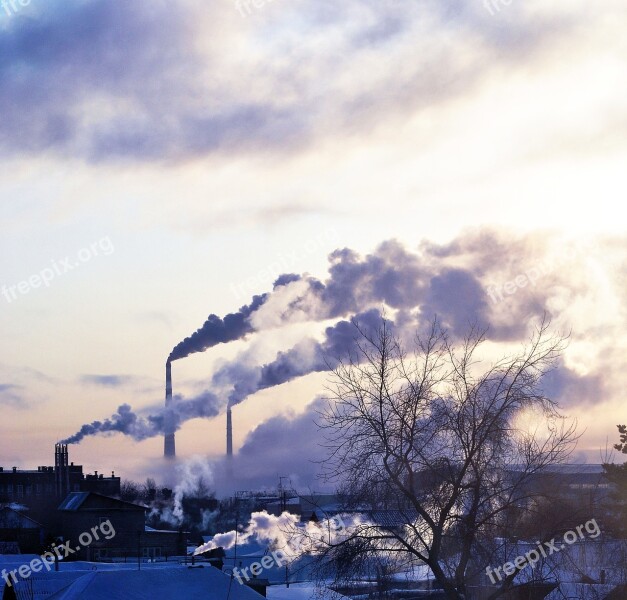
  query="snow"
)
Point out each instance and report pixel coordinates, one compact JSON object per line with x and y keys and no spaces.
{"x":119,"y":581}
{"x":297,"y":591}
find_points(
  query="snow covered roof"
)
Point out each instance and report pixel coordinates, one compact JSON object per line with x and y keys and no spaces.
{"x":393,"y":518}
{"x":11,"y":518}
{"x":45,"y":586}
{"x":147,"y":584}
{"x":74,"y":500}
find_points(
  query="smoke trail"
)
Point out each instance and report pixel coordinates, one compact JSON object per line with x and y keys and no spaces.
{"x":308,"y":356}
{"x":218,"y":331}
{"x":128,"y":422}
{"x":391,"y":276}
{"x":447,"y":280}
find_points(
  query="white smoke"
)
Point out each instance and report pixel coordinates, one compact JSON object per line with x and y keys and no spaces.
{"x":194,"y":475}
{"x":195,"y":478}
{"x":286,"y":533}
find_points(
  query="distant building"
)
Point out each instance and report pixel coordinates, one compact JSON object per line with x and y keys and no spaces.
{"x":313,"y":507}
{"x":42,"y":489}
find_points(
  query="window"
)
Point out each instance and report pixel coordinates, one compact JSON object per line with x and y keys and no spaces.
{"x":38,"y":489}
{"x":29,"y":490}
{"x":10,"y":489}
{"x":20,"y":490}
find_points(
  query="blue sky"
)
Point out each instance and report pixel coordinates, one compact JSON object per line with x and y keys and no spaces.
{"x":177,"y":152}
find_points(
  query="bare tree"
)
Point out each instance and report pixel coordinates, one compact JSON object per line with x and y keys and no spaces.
{"x":439,"y":449}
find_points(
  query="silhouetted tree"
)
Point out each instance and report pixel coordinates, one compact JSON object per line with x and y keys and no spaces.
{"x":440,"y":447}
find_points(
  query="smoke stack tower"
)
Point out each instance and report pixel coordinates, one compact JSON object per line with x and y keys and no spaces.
{"x":229,"y":433}
{"x":61,"y":470}
{"x":169,"y":447}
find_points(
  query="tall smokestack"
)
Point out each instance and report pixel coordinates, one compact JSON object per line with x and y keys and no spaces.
{"x":61,"y":470}
{"x":169,"y":449}
{"x":229,"y":433}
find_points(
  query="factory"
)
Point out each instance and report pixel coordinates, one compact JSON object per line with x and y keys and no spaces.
{"x":169,"y":441}
{"x":41,"y":490}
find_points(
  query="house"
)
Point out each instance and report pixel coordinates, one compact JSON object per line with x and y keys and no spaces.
{"x":125,"y":534}
{"x":26,"y":533}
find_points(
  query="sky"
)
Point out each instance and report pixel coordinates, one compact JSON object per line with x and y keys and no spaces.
{"x":167,"y":160}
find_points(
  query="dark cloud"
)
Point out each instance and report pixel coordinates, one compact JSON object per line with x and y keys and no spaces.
{"x":458,"y":299}
{"x":568,"y":388}
{"x":113,"y":80}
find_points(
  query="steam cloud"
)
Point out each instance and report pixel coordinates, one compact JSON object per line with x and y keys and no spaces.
{"x":285,"y":532}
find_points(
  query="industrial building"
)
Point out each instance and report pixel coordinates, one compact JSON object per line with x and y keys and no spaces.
{"x":42,"y":490}
{"x":17,"y":485}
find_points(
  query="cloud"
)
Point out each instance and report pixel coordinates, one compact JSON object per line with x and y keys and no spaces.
{"x":570,"y":388}
{"x":107,"y":381}
{"x":282,"y":445}
{"x":11,"y":396}
{"x":105,"y":80}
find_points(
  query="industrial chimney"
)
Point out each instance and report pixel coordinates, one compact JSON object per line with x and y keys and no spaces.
{"x":169,"y":449}
{"x":61,"y":470}
{"x":229,"y":433}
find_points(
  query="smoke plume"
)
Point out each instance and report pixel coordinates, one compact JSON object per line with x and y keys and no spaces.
{"x":308,"y":356}
{"x":285,"y":533}
{"x":138,"y":427}
{"x":215,"y":330}
{"x":484,"y":278}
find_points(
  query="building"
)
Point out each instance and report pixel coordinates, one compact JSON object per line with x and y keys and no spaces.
{"x":24,"y":532}
{"x":83,"y":511}
{"x":42,"y":490}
